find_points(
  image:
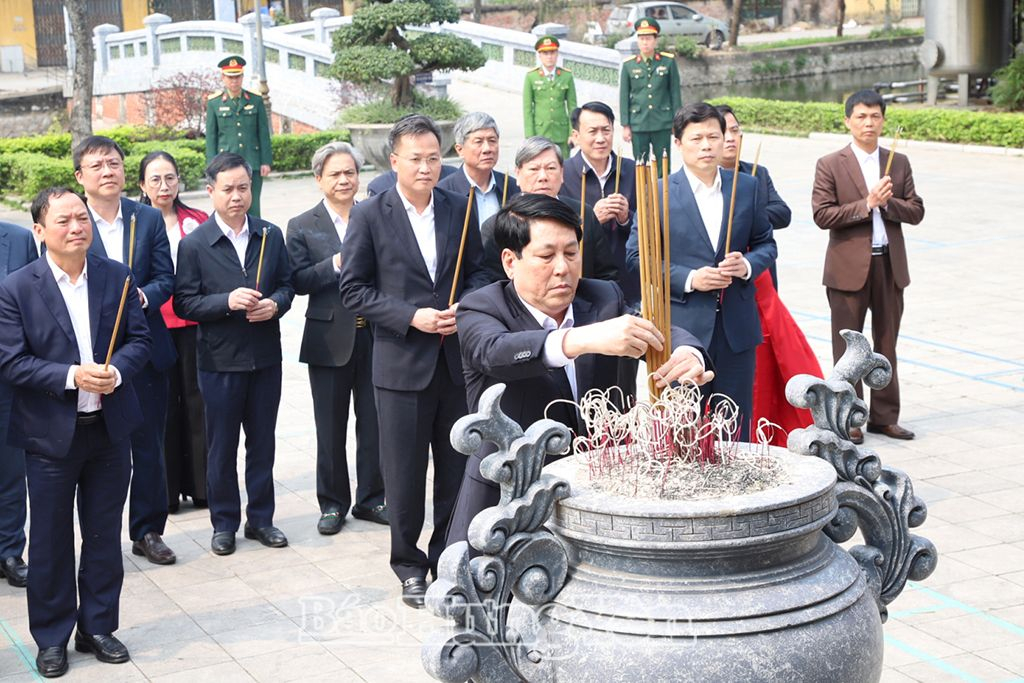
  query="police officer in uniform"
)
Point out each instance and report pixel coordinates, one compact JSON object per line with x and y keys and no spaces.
{"x":649,"y":95}
{"x":549,"y":96}
{"x":236,"y":121}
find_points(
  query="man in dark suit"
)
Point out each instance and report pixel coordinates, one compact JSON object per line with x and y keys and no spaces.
{"x":234,"y":279}
{"x":712,"y":286}
{"x":476,"y":142}
{"x":399,"y":271}
{"x":779,"y":213}
{"x":57,"y":317}
{"x":548,"y":335}
{"x":539,"y":170}
{"x":99,"y":167}
{"x":337,"y":345}
{"x":593,"y":129}
{"x":17,"y":249}
{"x":864,"y":209}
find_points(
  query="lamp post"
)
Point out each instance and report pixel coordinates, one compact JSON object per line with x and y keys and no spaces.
{"x":261,"y":57}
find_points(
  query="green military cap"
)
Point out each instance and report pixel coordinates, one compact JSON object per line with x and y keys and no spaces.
{"x":546,"y":44}
{"x":231,"y":66}
{"x":648,"y":27}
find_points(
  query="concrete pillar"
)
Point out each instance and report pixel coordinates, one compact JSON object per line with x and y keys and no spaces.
{"x":152,"y":23}
{"x":224,"y":10}
{"x":963,"y":83}
{"x":320,"y":17}
{"x":100,"y":34}
{"x":933,"y":90}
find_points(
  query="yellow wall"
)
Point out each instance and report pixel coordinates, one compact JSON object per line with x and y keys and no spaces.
{"x":133,"y":12}
{"x":871,"y":10}
{"x":17,"y":27}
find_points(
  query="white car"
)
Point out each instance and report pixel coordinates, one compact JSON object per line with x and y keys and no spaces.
{"x":675,"y":19}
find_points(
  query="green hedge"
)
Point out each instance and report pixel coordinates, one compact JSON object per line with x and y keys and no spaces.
{"x":30,"y":164}
{"x":943,"y":125}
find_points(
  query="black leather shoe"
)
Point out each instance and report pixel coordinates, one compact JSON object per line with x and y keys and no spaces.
{"x":154,"y":549}
{"x":330,"y":523}
{"x":892,"y":431}
{"x":16,"y":571}
{"x":107,"y":648}
{"x":378,"y":514}
{"x":270,"y":536}
{"x":413,"y":591}
{"x":200,"y":503}
{"x":223,"y":542}
{"x":52,"y":662}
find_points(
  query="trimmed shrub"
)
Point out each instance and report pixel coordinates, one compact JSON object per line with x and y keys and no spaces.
{"x":294,"y":151}
{"x":26,"y":173}
{"x":943,"y":125}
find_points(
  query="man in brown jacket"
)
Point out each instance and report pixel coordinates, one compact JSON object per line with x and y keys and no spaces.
{"x":866,"y":261}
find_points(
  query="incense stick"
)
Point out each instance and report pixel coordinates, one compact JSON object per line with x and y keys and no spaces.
{"x":892,"y":152}
{"x":259,"y":264}
{"x":732,"y":199}
{"x":618,"y":169}
{"x":117,"y":320}
{"x":757,"y":157}
{"x":462,"y":248}
{"x":583,"y":209}
{"x":653,"y":243}
{"x":131,"y":243}
{"x":504,"y":188}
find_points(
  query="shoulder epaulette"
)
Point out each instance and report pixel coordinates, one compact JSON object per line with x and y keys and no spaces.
{"x":214,"y":96}
{"x":668,"y":54}
{"x":629,"y":59}
{"x":536,"y":68}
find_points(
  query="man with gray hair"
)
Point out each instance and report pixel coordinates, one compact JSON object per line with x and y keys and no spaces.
{"x":476,"y":142}
{"x":337,"y":346}
{"x":401,"y":270}
{"x":539,"y":170}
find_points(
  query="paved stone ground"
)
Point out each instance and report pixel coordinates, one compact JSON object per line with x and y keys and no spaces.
{"x":328,"y":607}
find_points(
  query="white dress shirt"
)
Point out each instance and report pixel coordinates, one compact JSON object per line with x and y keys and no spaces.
{"x":76,"y":298}
{"x":423,"y":229}
{"x":871,"y":169}
{"x":240,"y":241}
{"x":487,"y":200}
{"x":111,"y":234}
{"x":710,"y":204}
{"x":340,"y":226}
{"x":602,"y":177}
{"x":554,"y":356}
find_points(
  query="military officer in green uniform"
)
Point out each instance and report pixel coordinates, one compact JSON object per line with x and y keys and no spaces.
{"x":236,"y":121}
{"x":549,"y":96}
{"x":649,"y":95}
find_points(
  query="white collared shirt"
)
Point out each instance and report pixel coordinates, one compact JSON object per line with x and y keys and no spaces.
{"x":76,"y":298}
{"x":240,"y":241}
{"x":870,"y":168}
{"x":602,"y":177}
{"x":488,"y":202}
{"x":340,"y":224}
{"x":423,"y":229}
{"x":554,"y":356}
{"x":111,"y":234}
{"x":710,"y":204}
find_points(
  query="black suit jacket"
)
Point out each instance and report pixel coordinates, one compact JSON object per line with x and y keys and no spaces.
{"x":330,"y":330}
{"x":779,"y":213}
{"x":597,"y":257}
{"x":17,"y":248}
{"x":151,"y":267}
{"x":208,"y":271}
{"x":503,"y":342}
{"x":459,"y":184}
{"x":384,"y":278}
{"x":38,"y":346}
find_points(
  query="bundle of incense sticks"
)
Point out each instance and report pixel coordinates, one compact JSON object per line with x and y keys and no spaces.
{"x":653,"y":234}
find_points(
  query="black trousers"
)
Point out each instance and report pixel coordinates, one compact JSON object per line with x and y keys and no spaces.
{"x":147,"y":501}
{"x":332,"y":390}
{"x":411,"y":422}
{"x":185,"y":437}
{"x":249,"y":401}
{"x":97,"y":470}
{"x":734,"y":377}
{"x":12,"y":485}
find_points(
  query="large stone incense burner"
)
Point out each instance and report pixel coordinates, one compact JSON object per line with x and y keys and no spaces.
{"x":749,"y":587}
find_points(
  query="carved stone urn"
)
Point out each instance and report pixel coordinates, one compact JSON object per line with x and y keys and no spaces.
{"x":750,"y":587}
{"x":372,"y":140}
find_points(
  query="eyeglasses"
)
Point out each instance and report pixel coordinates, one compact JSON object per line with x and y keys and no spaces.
{"x":112,"y":164}
{"x":419,"y":161}
{"x":156,"y":181}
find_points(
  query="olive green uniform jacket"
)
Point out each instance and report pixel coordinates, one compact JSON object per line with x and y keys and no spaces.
{"x":547,"y":104}
{"x":649,"y":93}
{"x":240,"y":125}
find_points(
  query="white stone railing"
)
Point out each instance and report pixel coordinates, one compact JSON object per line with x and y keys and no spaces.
{"x":298,"y":58}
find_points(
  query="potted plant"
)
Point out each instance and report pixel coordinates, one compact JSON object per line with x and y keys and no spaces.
{"x":377,"y":49}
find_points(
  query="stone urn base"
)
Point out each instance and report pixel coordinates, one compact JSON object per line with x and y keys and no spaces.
{"x":741,"y":588}
{"x":372,"y":140}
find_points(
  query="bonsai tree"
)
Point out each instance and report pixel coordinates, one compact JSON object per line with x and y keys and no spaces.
{"x":376,"y":48}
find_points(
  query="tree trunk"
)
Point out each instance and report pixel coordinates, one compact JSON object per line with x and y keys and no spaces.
{"x":842,"y":18}
{"x":734,"y":25}
{"x":478,"y":10}
{"x":402,"y":93}
{"x":81,"y":92}
{"x":887,"y":23}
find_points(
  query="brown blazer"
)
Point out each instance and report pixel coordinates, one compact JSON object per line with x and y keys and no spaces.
{"x":839,"y":203}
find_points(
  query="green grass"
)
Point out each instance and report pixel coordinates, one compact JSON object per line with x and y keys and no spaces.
{"x":877,"y":34}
